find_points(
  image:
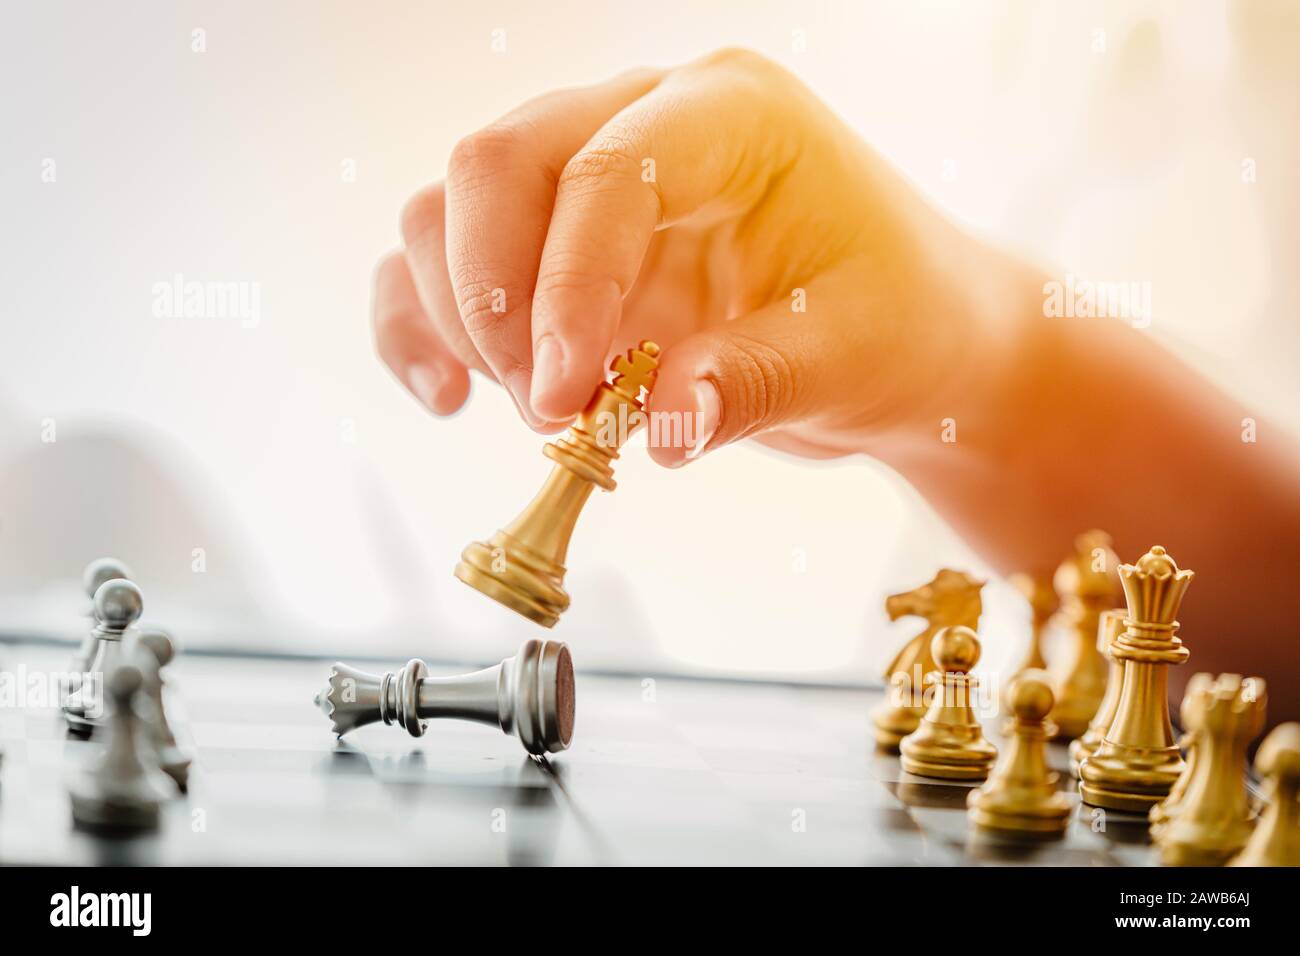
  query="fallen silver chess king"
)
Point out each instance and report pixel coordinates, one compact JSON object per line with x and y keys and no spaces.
{"x":530,"y":695}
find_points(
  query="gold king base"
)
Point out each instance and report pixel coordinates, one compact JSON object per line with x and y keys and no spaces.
{"x":523,"y":580}
{"x":518,"y":575}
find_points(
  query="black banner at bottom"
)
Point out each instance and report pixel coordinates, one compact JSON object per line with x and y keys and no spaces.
{"x":298,"y":905}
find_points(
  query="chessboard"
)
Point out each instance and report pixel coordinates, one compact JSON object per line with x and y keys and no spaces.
{"x":661,"y":770}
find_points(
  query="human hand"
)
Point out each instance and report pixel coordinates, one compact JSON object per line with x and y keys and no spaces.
{"x":803,"y":292}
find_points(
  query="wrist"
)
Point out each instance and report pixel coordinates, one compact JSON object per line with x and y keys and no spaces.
{"x":975,"y":345}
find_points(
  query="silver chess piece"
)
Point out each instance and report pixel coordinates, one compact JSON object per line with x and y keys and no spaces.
{"x":99,"y":571}
{"x":122,"y":790}
{"x":530,"y":695}
{"x":118,"y":604}
{"x":154,"y":650}
{"x":96,"y":573}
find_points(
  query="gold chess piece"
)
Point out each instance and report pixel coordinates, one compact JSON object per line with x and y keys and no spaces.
{"x":951,"y":598}
{"x":1276,"y":840}
{"x":1086,"y":585}
{"x":949,"y":743}
{"x":1211,"y":822}
{"x":1162,"y":812}
{"x":1021,"y":795}
{"x":522,"y":566}
{"x":1109,"y":629}
{"x":1138,"y":761}
{"x":1042,"y":605}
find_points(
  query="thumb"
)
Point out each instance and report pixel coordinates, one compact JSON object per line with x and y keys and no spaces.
{"x":768,"y":369}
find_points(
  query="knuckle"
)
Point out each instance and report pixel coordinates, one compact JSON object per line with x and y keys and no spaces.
{"x":760,"y":387}
{"x":640,"y":75}
{"x":483,"y":154}
{"x":740,"y":58}
{"x":571,"y":271}
{"x":768,"y":93}
{"x":762,"y":107}
{"x":484,"y":306}
{"x":601,"y":164}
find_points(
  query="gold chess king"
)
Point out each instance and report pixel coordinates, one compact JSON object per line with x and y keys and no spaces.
{"x":522,"y":566}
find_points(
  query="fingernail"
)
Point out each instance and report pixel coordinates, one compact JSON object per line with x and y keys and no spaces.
{"x":517,"y":383}
{"x":708,"y":413}
{"x":425,"y":382}
{"x":548,"y":367}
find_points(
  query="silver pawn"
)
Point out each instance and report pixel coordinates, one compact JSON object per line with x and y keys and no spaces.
{"x":530,"y":695}
{"x":118,"y":604}
{"x":96,"y":573}
{"x":121,"y":791}
{"x":99,"y":571}
{"x":154,"y":650}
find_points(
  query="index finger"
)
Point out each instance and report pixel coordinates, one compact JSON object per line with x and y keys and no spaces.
{"x":499,"y":195}
{"x":699,"y":144}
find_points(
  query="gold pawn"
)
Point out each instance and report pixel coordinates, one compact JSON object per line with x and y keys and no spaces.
{"x":1021,"y":795}
{"x":949,"y":743}
{"x":1086,"y":585}
{"x":952,"y":597}
{"x":522,"y":566}
{"x":1138,"y":761}
{"x":1162,"y":812}
{"x":1042,"y":605}
{"x":1211,"y":822}
{"x":1276,"y":840}
{"x":1109,"y":629}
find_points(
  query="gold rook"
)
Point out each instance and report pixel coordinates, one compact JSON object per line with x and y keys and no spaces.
{"x":1209,"y":822}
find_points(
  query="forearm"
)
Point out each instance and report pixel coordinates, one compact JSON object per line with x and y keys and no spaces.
{"x":1089,"y":423}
